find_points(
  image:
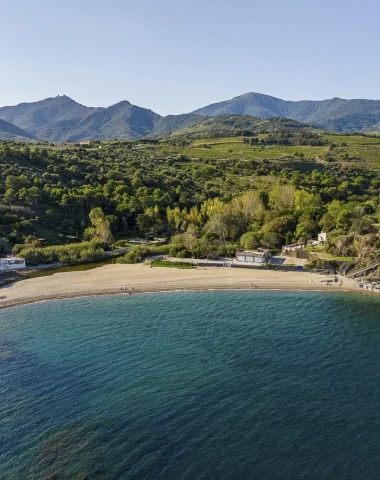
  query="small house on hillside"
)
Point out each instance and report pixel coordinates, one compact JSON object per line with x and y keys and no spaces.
{"x":72,"y":238}
{"x":290,"y":250}
{"x":12,"y":263}
{"x":322,"y":238}
{"x":253,"y":256}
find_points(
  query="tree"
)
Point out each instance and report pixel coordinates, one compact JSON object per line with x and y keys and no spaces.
{"x":4,"y":247}
{"x":149,"y":220}
{"x":334,"y":208}
{"x":281,"y":198}
{"x":190,"y":237}
{"x":344,"y":220}
{"x":303,"y":199}
{"x":281,"y":137}
{"x":176,"y":245}
{"x":175,"y":218}
{"x":249,"y":204}
{"x":270,"y":240}
{"x":250,"y":240}
{"x":306,"y":228}
{"x":194,"y":217}
{"x":10,"y":195}
{"x":362,"y":225}
{"x":16,"y":182}
{"x":279,"y":225}
{"x":225,"y":223}
{"x":33,"y":195}
{"x":100,"y":230}
{"x":208,"y":245}
{"x":327,"y":222}
{"x":289,"y":238}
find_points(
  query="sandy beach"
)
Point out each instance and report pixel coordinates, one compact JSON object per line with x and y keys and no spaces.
{"x":124,"y":279}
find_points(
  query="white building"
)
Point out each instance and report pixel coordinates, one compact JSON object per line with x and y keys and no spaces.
{"x":12,"y":263}
{"x":322,"y":238}
{"x":252,"y":256}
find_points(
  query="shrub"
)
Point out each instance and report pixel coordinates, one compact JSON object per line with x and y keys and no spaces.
{"x":163,"y":263}
{"x":78,"y":252}
{"x":139,"y":252}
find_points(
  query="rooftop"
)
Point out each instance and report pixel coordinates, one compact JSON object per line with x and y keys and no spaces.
{"x":260,"y":252}
{"x":12,"y":259}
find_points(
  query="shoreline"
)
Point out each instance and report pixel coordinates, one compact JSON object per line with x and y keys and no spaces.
{"x":46,"y":299}
{"x":122,"y":279}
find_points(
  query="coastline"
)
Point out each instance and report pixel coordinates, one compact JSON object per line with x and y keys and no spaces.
{"x":137,"y":279}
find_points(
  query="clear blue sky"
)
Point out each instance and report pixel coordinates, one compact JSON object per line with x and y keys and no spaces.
{"x":174,"y":56}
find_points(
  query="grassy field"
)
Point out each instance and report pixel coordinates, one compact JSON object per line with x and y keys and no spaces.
{"x":167,"y":264}
{"x":347,"y":149}
{"x":240,"y":151}
{"x":328,"y":256}
{"x":352,"y":139}
{"x":370,"y":154}
{"x":360,"y":149}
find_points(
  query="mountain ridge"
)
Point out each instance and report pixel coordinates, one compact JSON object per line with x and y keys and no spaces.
{"x":335,"y":114}
{"x":62,"y":118}
{"x":9,"y":131}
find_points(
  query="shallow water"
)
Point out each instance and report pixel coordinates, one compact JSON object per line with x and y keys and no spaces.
{"x":196,"y":385}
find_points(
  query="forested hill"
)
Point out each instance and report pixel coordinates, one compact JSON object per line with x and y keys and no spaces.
{"x":237,"y":125}
{"x":336,"y":114}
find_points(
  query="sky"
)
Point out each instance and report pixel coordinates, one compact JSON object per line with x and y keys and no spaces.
{"x":174,"y":56}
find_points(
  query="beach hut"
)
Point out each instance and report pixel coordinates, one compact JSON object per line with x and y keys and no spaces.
{"x":252,"y":256}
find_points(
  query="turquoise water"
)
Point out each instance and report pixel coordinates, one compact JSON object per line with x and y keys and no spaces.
{"x":210,"y":385}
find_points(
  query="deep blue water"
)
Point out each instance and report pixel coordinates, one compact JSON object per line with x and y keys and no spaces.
{"x":212,"y":385}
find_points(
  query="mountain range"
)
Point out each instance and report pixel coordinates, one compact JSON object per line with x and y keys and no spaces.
{"x":336,"y":114}
{"x":61,"y":118}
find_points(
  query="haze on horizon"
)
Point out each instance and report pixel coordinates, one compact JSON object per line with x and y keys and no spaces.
{"x":174,"y":57}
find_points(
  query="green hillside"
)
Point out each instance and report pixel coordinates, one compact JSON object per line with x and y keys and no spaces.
{"x":164,"y":126}
{"x":211,"y":196}
{"x":228,"y":125}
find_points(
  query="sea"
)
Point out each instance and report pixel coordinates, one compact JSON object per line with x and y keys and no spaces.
{"x":192,"y":385}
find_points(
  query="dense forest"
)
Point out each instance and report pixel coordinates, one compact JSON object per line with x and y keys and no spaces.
{"x":208,"y":196}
